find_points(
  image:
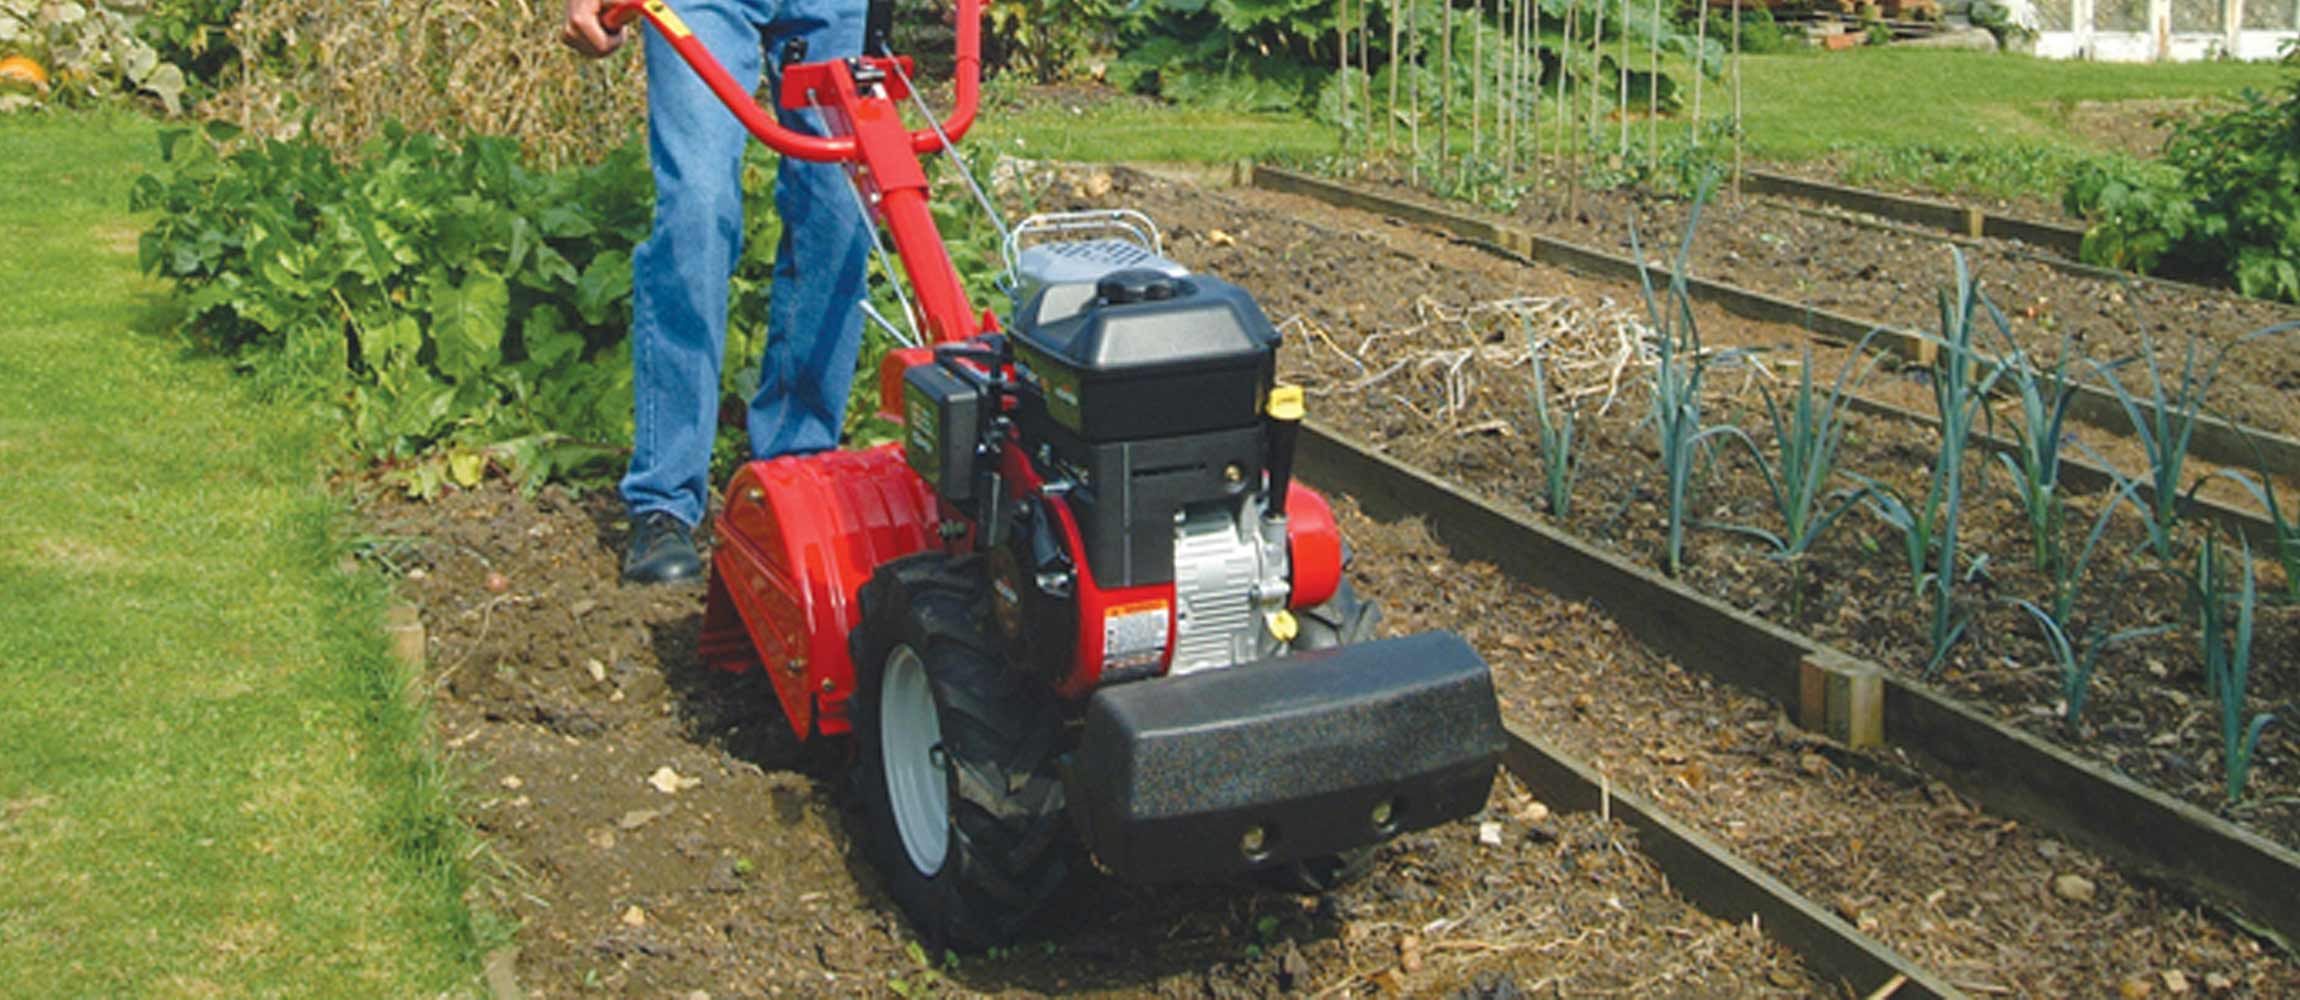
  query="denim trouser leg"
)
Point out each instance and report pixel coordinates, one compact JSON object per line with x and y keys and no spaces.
{"x":814,"y":317}
{"x":681,"y":273}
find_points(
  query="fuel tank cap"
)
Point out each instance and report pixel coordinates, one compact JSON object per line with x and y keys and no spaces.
{"x":1138,"y":284}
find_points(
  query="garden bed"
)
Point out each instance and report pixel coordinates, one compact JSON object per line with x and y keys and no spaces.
{"x":1893,"y":277}
{"x":1337,"y":289}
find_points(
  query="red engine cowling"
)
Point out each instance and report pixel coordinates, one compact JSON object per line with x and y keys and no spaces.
{"x":798,"y":538}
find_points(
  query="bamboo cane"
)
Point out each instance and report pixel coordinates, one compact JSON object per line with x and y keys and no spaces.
{"x":1596,"y":67}
{"x":1390,"y":130}
{"x":1621,"y":85}
{"x":1737,"y":99}
{"x":1477,"y":84}
{"x":1700,"y":50}
{"x":1653,"y":91}
{"x":1533,"y":108}
{"x":1414,"y":93}
{"x":1445,"y":84}
{"x":1366,"y":65}
{"x":1342,"y":62}
{"x":1565,"y":80}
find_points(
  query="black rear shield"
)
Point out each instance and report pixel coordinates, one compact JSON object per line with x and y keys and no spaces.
{"x":1321,"y":751}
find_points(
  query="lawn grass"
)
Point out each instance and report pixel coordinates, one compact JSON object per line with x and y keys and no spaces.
{"x":1133,"y":131}
{"x":1802,"y":106}
{"x":211,"y":783}
{"x":1948,"y":120}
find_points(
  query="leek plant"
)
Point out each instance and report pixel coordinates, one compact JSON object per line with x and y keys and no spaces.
{"x":2227,"y":650}
{"x":2068,"y":574}
{"x":2079,"y":659}
{"x":2287,"y":532}
{"x":1679,"y":367}
{"x":1556,"y":438}
{"x":2043,"y":398}
{"x":2166,"y":427}
{"x":1962,"y":379}
{"x":1806,"y":436}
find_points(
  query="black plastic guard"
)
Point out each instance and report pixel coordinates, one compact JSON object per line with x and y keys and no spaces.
{"x":1171,"y":774}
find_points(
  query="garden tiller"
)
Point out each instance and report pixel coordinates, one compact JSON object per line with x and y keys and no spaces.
{"x":1083,"y":590}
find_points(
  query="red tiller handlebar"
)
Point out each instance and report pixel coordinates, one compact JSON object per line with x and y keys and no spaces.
{"x":762,"y":122}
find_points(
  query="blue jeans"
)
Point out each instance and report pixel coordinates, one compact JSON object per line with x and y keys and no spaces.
{"x":681,"y":273}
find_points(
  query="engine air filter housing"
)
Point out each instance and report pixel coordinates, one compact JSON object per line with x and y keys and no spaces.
{"x":1148,"y":354}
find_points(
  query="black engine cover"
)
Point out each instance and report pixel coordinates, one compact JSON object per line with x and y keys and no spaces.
{"x":1147,"y":396}
{"x":1148,"y":356}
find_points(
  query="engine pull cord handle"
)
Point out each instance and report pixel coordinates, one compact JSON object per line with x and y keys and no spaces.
{"x":763,"y":124}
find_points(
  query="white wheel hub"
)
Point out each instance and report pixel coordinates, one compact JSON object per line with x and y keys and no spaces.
{"x":911,"y":754}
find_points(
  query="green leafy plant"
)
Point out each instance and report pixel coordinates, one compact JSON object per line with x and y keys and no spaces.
{"x":90,"y":49}
{"x":2067,"y":574}
{"x":456,"y":306}
{"x":1806,"y":436}
{"x":2287,"y":532}
{"x":1999,"y":169}
{"x":1680,"y":365}
{"x":2227,"y":654}
{"x":2165,"y":423}
{"x":2043,"y":397}
{"x":2077,"y":660}
{"x":1554,"y":429}
{"x":1962,"y":378}
{"x":192,"y":34}
{"x":2223,"y":203}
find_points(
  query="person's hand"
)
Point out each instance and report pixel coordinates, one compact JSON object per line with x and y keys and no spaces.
{"x":585,"y":34}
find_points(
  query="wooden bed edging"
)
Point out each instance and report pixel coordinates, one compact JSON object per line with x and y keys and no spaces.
{"x":2215,"y":440}
{"x":1719,"y":883}
{"x":2011,"y":773}
{"x":1932,"y":213}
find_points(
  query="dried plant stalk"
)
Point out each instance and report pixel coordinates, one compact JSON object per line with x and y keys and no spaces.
{"x":452,"y":67}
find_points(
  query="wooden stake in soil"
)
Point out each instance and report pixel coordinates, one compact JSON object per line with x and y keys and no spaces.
{"x":1342,"y":61}
{"x":1390,"y":129}
{"x":1569,"y":108}
{"x":1477,"y":84}
{"x":1700,"y":66}
{"x":1621,"y":84}
{"x":1597,"y":67}
{"x":1366,"y":65}
{"x":1736,"y":98}
{"x":1445,"y":85}
{"x":1533,"y":75}
{"x":1653,"y":92}
{"x":1414,"y":94}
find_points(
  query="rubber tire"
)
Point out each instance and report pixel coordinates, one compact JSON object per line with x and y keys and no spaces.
{"x":1341,"y":620}
{"x":1010,"y":851}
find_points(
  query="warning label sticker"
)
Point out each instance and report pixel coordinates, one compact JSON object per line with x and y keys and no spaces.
{"x":1134,"y":634}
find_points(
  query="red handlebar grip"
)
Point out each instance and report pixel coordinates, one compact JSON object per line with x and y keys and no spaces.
{"x":619,"y":15}
{"x":762,"y":124}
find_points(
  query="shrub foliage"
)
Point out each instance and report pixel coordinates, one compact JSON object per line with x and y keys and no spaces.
{"x":455,"y":304}
{"x":2226,"y":201}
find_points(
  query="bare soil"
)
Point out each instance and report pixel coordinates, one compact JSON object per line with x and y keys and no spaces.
{"x":560,"y":695}
{"x":1375,"y":315}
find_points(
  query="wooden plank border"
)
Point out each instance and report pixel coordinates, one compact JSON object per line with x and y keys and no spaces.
{"x":1930,"y":213}
{"x":1719,"y":883}
{"x":2010,"y":772}
{"x":2215,"y":440}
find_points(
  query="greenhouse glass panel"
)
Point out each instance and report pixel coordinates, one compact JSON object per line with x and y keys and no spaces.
{"x":2120,"y":15}
{"x":2052,"y":15}
{"x":2271,"y":15}
{"x":2198,"y":16}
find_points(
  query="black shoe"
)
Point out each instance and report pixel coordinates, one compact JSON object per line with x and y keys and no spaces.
{"x":661,"y":550}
